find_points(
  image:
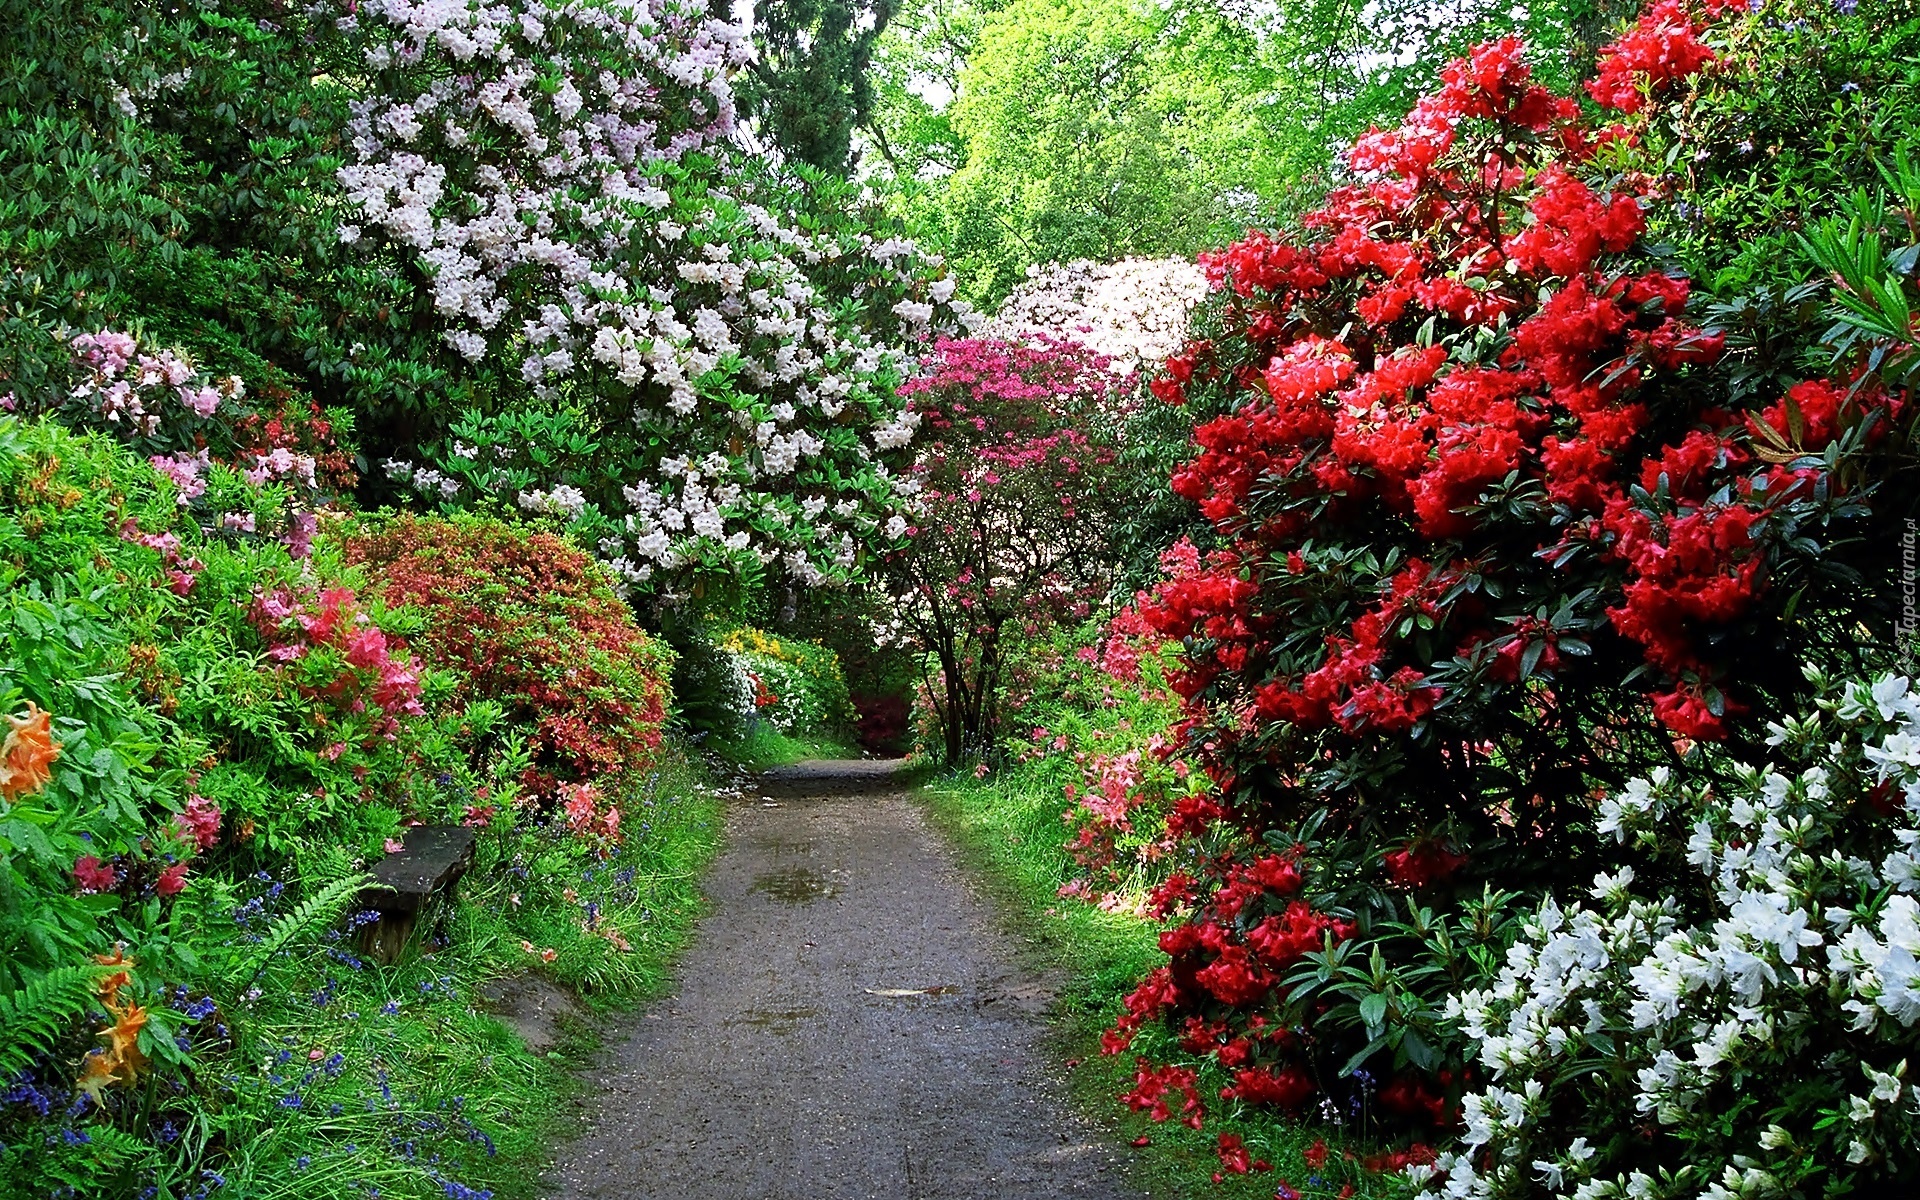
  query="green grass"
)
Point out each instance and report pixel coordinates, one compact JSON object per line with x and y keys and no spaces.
{"x":340,"y":1077}
{"x":763,"y":746}
{"x":1008,"y":828}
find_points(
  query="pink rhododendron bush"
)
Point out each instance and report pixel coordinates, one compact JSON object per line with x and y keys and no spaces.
{"x":242,"y":463}
{"x":1492,"y":540}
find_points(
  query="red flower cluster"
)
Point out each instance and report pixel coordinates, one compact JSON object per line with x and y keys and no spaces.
{"x":1660,"y":51}
{"x":530,"y":621}
{"x":1153,"y":1085}
{"x":1467,"y":468}
{"x":335,"y":653}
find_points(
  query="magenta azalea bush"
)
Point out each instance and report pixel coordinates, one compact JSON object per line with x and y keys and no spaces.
{"x":1008,"y":491}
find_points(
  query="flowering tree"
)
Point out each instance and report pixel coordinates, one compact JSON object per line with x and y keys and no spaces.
{"x":724,"y":376}
{"x":1133,"y":312}
{"x":1490,"y":540}
{"x":1008,"y":514}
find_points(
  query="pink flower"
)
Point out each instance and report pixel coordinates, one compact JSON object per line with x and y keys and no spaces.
{"x":173,"y":880}
{"x":199,"y":823}
{"x":94,"y":876}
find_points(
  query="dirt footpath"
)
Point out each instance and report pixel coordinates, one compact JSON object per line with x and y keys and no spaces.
{"x":849,"y":1023}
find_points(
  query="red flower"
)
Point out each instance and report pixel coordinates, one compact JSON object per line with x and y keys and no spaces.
{"x":1421,"y":863}
{"x":1662,"y":48}
{"x":172,"y":880}
{"x":92,"y":875}
{"x":1287,"y":1088}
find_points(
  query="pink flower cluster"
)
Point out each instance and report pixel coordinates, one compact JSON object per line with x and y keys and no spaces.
{"x":358,"y":673}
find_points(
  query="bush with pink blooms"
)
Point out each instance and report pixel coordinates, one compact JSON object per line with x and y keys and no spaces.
{"x":1008,"y":516}
{"x":204,"y":740}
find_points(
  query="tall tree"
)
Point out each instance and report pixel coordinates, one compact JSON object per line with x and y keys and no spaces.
{"x":808,"y":88}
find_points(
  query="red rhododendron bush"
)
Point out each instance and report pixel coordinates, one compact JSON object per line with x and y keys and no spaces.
{"x":1492,"y":542}
{"x":528,"y":621}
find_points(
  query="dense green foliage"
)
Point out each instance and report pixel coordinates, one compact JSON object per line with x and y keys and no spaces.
{"x":1031,"y":132}
{"x":233,"y":736}
{"x":810,"y":87}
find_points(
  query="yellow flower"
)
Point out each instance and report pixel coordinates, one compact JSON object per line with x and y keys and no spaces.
{"x":26,"y":760}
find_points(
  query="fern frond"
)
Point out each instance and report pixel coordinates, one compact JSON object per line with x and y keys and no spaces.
{"x":34,"y":1017}
{"x":318,"y":911}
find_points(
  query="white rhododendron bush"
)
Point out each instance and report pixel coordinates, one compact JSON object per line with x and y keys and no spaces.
{"x":700,"y":360}
{"x":1134,"y":312}
{"x":1734,"y":1012}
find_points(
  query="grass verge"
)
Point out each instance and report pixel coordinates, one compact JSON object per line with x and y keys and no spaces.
{"x":763,"y":746}
{"x":1008,"y":829}
{"x":352,"y":1079}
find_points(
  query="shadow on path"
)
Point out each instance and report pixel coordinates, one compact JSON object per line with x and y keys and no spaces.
{"x":849,"y":1023}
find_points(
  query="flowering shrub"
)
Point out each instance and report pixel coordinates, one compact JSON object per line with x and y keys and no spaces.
{"x":801,"y":688}
{"x":1735,"y":1017}
{"x":528,"y":621}
{"x":191,"y":777}
{"x":1125,"y":781}
{"x":736,"y":365}
{"x":334,"y":652}
{"x":1008,"y":514}
{"x":1133,"y":312}
{"x":240,"y":468}
{"x":1489,"y":539}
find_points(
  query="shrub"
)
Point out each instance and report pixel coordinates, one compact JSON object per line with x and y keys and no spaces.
{"x":713,"y":690}
{"x":1009,"y":516}
{"x":528,"y":621}
{"x":1492,"y":538}
{"x":800,"y":688}
{"x":1093,"y":717}
{"x":204,"y":741}
{"x":1736,"y":1017}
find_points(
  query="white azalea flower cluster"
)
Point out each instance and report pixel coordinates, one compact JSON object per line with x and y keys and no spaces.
{"x":1747,"y":1034}
{"x":1134,"y":311}
{"x":560,"y":170}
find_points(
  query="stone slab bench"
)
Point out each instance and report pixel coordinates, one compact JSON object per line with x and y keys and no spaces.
{"x":420,"y":877}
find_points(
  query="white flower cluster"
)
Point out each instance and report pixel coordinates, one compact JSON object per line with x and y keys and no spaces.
{"x":1789,"y":978}
{"x":588,"y":246}
{"x":1134,"y":311}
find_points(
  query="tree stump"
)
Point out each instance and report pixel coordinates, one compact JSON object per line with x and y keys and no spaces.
{"x":406,"y":885}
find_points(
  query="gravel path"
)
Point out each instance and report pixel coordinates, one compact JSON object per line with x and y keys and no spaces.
{"x":849,"y":1023}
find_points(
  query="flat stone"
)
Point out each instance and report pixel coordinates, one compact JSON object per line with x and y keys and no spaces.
{"x":428,"y":867}
{"x":532,"y":1007}
{"x":435,"y":857}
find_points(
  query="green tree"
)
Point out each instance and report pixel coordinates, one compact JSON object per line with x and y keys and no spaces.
{"x":809,"y":88}
{"x":1046,"y":130}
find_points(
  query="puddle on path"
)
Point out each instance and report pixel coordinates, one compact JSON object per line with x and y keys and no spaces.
{"x":944,"y":989}
{"x":796,"y":885}
{"x":781,"y":1021}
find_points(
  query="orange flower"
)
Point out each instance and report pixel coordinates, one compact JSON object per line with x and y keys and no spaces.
{"x":26,"y":760}
{"x":96,"y":1075}
{"x":109,"y":985}
{"x":122,"y":1059}
{"x":123,"y":1039}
